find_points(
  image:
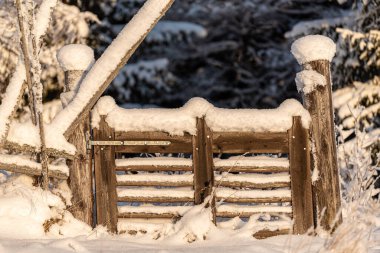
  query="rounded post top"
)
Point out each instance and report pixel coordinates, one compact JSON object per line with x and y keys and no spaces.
{"x":313,"y":48}
{"x":75,"y":57}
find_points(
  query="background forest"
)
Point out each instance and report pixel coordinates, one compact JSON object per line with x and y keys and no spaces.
{"x":234,"y":53}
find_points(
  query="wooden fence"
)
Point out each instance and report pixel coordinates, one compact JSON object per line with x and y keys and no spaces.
{"x":238,"y":186}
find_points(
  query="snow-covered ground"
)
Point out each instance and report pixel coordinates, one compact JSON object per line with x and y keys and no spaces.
{"x":33,"y":220}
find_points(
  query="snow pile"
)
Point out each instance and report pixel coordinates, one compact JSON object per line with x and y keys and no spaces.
{"x":183,"y":120}
{"x":75,"y":57}
{"x":312,"y":48}
{"x":308,"y":80}
{"x":28,"y":212}
{"x":174,"y":121}
{"x":254,"y":120}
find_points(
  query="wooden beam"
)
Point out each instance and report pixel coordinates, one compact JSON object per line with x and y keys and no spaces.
{"x":148,"y":215}
{"x":202,"y":153}
{"x":153,"y":168}
{"x":154,"y":183}
{"x":241,"y":184}
{"x":300,"y":176}
{"x":247,"y":169}
{"x":327,"y":187}
{"x":160,"y":199}
{"x":178,"y":144}
{"x":31,"y":149}
{"x":248,"y":142}
{"x":248,"y":214}
{"x":268,"y":233}
{"x":254,"y":200}
{"x":111,"y":76}
{"x":31,"y":171}
{"x":105,"y":178}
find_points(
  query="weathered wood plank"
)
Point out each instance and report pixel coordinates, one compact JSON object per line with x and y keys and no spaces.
{"x":248,"y":214}
{"x":167,"y":149}
{"x":300,"y":175}
{"x":154,"y":199}
{"x":203,"y":174}
{"x":247,"y":142}
{"x":261,"y":169}
{"x":30,"y":149}
{"x":251,"y":185}
{"x":81,"y":174}
{"x":254,"y":200}
{"x":154,"y":168}
{"x":327,"y":187}
{"x":31,"y":171}
{"x":267,"y":233}
{"x":153,"y":136}
{"x":154,"y":183}
{"x":148,"y":215}
{"x":179,"y":144}
{"x":105,"y":179}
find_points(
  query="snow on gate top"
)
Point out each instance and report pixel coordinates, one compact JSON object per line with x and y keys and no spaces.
{"x":183,"y":120}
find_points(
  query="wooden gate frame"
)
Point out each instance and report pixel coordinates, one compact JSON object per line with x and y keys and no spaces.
{"x":295,"y":142}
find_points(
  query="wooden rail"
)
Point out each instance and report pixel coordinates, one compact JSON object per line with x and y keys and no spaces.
{"x":252,"y":181}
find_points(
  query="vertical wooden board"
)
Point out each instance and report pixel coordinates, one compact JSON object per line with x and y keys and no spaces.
{"x":105,"y":178}
{"x":327,"y":187}
{"x":300,"y":174}
{"x":80,"y":179}
{"x":201,"y":164}
{"x":209,"y":167}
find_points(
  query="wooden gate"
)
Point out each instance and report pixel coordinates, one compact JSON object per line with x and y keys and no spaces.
{"x":240,"y":186}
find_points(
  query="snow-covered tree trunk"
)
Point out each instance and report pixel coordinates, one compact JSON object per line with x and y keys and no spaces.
{"x":75,"y":60}
{"x":315,"y":53}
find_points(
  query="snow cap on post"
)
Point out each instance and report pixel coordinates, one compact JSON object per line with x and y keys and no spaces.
{"x":75,"y":57}
{"x":313,"y":48}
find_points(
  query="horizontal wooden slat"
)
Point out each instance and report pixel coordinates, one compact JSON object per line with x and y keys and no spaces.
{"x":154,"y":199}
{"x":247,"y":214}
{"x":172,"y":148}
{"x":179,"y":144}
{"x":30,"y":149}
{"x":253,"y":185}
{"x":151,"y":195}
{"x":254,"y":200}
{"x":31,"y":171}
{"x":148,"y":215}
{"x":154,"y":168}
{"x":253,"y":180}
{"x":247,"y":142}
{"x":154,"y":179}
{"x":267,"y":233}
{"x":262,"y":169}
{"x":151,"y":212}
{"x":154,"y":183}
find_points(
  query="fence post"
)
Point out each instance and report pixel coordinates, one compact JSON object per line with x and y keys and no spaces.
{"x":105,"y":178}
{"x":202,"y":162}
{"x":300,"y":174}
{"x":80,"y":179}
{"x":314,"y":52}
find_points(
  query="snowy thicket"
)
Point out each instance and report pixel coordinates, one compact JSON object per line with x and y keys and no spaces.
{"x":68,"y":25}
{"x":225,"y":51}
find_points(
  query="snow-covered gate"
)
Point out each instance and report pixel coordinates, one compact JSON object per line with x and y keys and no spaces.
{"x":251,"y":162}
